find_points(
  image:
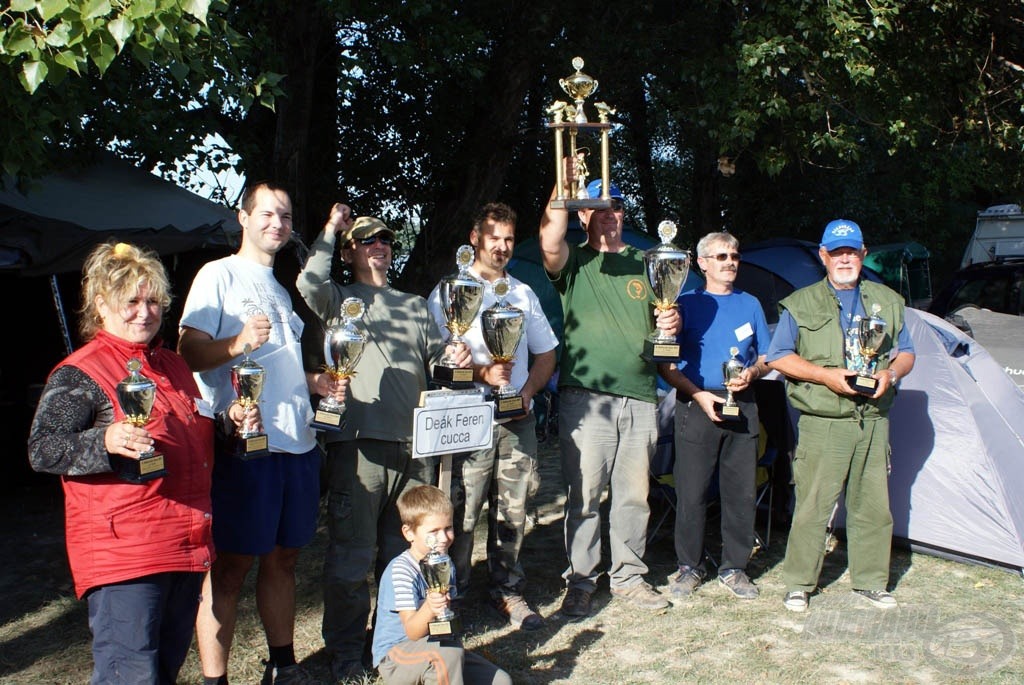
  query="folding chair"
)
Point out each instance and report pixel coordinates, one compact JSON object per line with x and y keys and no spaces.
{"x":766,"y":489}
{"x":662,"y":495}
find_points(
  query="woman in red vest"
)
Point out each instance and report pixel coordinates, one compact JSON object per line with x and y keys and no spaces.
{"x":138,"y":545}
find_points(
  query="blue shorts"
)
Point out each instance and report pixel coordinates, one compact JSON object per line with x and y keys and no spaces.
{"x":266,"y":502}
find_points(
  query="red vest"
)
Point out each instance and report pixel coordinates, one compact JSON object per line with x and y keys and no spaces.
{"x":117,"y":530}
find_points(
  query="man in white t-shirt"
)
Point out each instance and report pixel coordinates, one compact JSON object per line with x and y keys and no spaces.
{"x":509,"y":468}
{"x":265,"y":507}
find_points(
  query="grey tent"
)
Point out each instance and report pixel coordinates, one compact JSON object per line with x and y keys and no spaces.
{"x":957,"y":435}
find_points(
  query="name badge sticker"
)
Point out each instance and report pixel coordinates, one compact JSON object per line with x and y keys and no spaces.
{"x":744,"y":332}
{"x":204,"y":407}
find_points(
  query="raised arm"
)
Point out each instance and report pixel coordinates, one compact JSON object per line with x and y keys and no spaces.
{"x":314,"y":281}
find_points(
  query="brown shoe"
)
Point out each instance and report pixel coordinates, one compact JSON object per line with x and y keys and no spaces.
{"x":641,"y":595}
{"x":576,"y":602}
{"x":518,"y":612}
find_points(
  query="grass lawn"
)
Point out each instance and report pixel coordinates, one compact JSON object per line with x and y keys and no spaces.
{"x":956,"y":622}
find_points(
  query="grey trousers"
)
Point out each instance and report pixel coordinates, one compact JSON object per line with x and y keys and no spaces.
{"x":365,"y":478}
{"x":607,"y":441}
{"x":438,"y":663}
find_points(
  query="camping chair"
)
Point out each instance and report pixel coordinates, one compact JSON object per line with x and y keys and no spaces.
{"x":662,"y":495}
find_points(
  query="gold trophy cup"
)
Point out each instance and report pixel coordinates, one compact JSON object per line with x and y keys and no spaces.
{"x":572,"y":119}
{"x":461,"y":297}
{"x":437,"y":568}
{"x":343,"y":347}
{"x":731,"y":370}
{"x":247,"y":379}
{"x":870,"y":335}
{"x":503,"y":330}
{"x":136,"y":395}
{"x":667,"y":268}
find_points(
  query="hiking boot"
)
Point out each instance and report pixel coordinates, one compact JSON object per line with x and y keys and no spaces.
{"x":576,"y":602}
{"x":641,"y":595}
{"x":518,"y":612}
{"x":795,"y":600}
{"x":344,"y":670}
{"x":686,"y":581}
{"x":880,"y":598}
{"x":739,"y":584}
{"x":284,"y":675}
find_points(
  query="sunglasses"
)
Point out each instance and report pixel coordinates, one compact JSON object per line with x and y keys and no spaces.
{"x":617,"y":205}
{"x":384,"y":240}
{"x":722,"y":256}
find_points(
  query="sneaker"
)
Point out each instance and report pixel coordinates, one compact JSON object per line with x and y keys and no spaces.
{"x":641,"y":595}
{"x":576,"y":602}
{"x":686,"y":581}
{"x":284,"y":675}
{"x":739,"y":584}
{"x":795,"y":600}
{"x":518,"y":612}
{"x":344,"y":670}
{"x":880,"y":598}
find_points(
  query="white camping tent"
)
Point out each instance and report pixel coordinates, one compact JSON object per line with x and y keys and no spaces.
{"x":957,"y":436}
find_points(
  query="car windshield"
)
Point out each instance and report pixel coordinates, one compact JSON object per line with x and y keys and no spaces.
{"x":996,"y":292}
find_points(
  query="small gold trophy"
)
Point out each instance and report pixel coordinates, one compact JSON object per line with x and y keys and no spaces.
{"x":573,"y":118}
{"x":136,"y":395}
{"x":437,"y":568}
{"x":870,"y":336}
{"x":667,"y":268}
{"x":343,"y":347}
{"x":247,"y":378}
{"x":461,"y":297}
{"x":503,"y":330}
{"x":731,"y":370}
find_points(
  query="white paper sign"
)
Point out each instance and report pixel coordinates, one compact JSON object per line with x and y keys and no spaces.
{"x":452,"y":422}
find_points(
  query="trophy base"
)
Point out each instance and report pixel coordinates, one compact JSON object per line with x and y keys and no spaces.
{"x":139,"y":470}
{"x":454,"y":378}
{"x":571,"y":203}
{"x":729,"y":412}
{"x":245,"y":449}
{"x":444,"y":629}
{"x":660,"y":352}
{"x":324,"y":420}
{"x":505,"y":407}
{"x":865,"y":385}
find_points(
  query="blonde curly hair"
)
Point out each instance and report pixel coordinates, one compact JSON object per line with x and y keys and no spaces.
{"x":116,"y":272}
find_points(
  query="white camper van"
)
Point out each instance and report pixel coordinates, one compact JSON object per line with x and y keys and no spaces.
{"x":998,"y":235}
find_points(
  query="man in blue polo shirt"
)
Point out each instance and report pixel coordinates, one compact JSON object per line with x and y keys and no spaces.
{"x":717,"y":319}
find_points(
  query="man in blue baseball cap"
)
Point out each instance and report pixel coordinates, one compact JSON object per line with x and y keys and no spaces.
{"x":843,"y":434}
{"x":607,"y":416}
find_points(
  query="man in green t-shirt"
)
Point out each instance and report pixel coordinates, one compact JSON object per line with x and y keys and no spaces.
{"x":607,"y":408}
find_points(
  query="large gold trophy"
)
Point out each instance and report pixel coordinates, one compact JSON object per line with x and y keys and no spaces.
{"x":572,"y":119}
{"x":437,"y":568}
{"x":343,"y":348}
{"x":667,"y":268}
{"x":503,"y":330}
{"x":461,"y":295}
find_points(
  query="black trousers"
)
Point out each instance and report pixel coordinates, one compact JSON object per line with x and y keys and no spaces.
{"x":701,"y":445}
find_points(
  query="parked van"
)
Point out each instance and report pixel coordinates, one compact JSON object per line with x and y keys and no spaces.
{"x":998,"y":235}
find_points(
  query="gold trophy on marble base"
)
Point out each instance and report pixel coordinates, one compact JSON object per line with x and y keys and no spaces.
{"x":667,"y":268}
{"x":572,"y":119}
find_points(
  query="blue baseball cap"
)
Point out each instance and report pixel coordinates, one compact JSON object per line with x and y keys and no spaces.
{"x":842,"y":233}
{"x":594,"y":190}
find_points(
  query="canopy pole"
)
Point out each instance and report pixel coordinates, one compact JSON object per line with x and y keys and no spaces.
{"x":62,"y":319}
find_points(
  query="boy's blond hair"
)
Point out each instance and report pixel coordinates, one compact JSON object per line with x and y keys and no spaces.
{"x":422,"y":501}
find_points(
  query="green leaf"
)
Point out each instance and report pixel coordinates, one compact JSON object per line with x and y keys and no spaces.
{"x":59,"y":36}
{"x":197,"y":8}
{"x":23,"y":5}
{"x":18,"y":39}
{"x":94,"y":9}
{"x":32,"y":75}
{"x":103,"y":56}
{"x":67,"y":59}
{"x":48,"y":9}
{"x":121,"y":29}
{"x":140,"y":9}
{"x":179,"y":71}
